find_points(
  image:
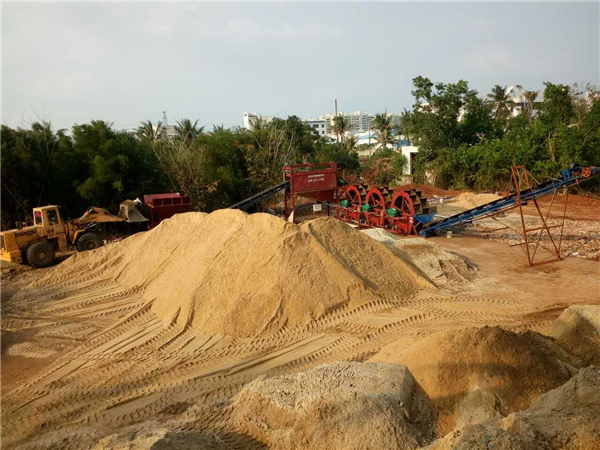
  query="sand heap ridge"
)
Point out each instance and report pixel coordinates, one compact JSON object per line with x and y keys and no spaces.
{"x":250,"y":275}
{"x":470,"y":200}
{"x":481,"y":374}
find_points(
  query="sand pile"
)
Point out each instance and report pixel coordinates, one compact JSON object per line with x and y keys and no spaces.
{"x":470,"y":200}
{"x":480,"y":374}
{"x":439,"y":265}
{"x":247,"y":275}
{"x":577,"y":330}
{"x":161,"y":438}
{"x":567,"y":418}
{"x":338,"y":406}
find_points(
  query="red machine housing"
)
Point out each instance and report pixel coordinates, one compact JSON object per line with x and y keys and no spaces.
{"x":315,"y":181}
{"x":163,"y":206}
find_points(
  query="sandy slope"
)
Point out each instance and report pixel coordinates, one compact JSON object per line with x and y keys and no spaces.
{"x":123,"y":365}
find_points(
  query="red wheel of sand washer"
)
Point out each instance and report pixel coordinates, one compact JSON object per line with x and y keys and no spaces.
{"x":376,"y":214}
{"x":403,"y":222}
{"x":351,"y":212}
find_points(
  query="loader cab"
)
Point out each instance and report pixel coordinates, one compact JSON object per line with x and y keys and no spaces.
{"x":48,"y":221}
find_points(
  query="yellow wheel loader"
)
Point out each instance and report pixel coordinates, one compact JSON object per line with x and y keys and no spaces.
{"x":37,"y":244}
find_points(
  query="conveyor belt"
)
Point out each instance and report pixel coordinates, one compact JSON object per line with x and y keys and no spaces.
{"x":257,"y":198}
{"x":509,"y":202}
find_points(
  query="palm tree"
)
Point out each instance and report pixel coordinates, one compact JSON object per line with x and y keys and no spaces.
{"x":218,"y":129}
{"x":340,"y":125}
{"x":405,"y":121}
{"x":258,"y":123}
{"x":382,"y":124}
{"x":530,"y":96}
{"x":385,"y":138}
{"x":351,"y":142}
{"x":502,"y":102}
{"x":185,"y":130}
{"x":147,"y":131}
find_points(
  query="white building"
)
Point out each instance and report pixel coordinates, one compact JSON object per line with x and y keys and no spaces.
{"x":359,"y":121}
{"x":318,"y":126}
{"x":517,"y":95}
{"x":250,"y":118}
{"x":165,"y":131}
{"x":410,"y":153}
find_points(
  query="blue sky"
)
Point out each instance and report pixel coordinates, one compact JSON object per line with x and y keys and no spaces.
{"x":73,"y":62}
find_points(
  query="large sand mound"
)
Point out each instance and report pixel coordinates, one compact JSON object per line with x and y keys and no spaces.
{"x":338,"y":406}
{"x":247,"y":275}
{"x":566,"y":418}
{"x":481,"y":374}
{"x":577,"y":330}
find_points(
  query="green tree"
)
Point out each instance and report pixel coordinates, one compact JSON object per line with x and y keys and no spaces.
{"x":557,"y":108}
{"x":300,"y":134}
{"x":345,"y":160}
{"x":119,"y":165}
{"x":258,"y":123}
{"x":186,"y":130}
{"x":382,"y":124}
{"x":340,"y":126}
{"x":530,"y":97}
{"x":351,"y":143}
{"x":147,"y":131}
{"x":502,"y":101}
{"x":444,"y":117}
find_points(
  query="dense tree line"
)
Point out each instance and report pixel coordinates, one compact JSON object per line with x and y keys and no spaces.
{"x":465,"y":141}
{"x":469,"y":142}
{"x":97,"y":165}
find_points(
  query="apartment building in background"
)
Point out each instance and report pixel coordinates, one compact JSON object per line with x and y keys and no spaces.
{"x":318,"y":126}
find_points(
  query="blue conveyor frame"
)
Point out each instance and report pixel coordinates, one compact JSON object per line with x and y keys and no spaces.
{"x":570,"y":177}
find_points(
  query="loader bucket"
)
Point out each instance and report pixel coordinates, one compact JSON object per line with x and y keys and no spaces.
{"x":129,"y":212}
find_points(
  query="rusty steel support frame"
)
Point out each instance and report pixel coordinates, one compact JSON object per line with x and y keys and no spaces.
{"x":521,"y":180}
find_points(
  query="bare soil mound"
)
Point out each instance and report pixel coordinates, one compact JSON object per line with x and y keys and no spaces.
{"x":338,"y":406}
{"x":480,"y":374}
{"x":566,"y":418}
{"x":161,"y":438}
{"x":470,"y":200}
{"x":439,"y":265}
{"x":577,"y":330}
{"x":249,"y":275}
{"x":479,"y":436}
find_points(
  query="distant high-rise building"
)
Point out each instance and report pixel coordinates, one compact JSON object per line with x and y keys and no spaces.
{"x":359,"y":121}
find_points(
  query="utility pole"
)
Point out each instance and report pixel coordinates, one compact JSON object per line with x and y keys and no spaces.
{"x":165,"y":123}
{"x":369,"y":128}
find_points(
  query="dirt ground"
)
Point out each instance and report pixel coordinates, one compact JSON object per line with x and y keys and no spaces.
{"x":83,"y":359}
{"x":580,"y":233}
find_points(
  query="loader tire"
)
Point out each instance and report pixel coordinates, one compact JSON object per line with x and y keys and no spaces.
{"x":40,"y":254}
{"x":89,"y":241}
